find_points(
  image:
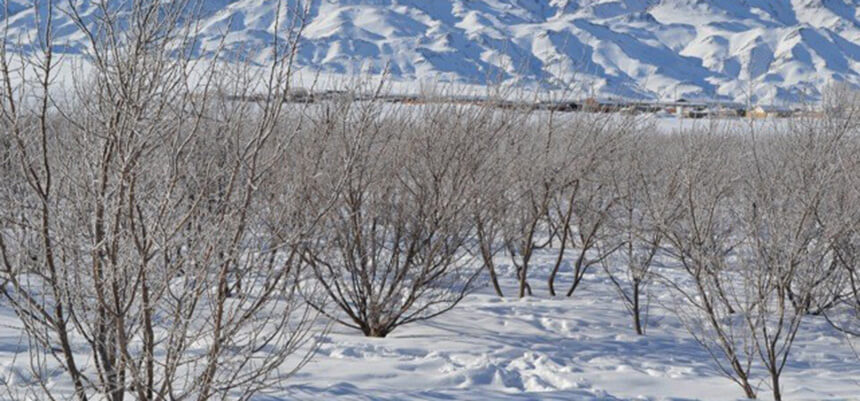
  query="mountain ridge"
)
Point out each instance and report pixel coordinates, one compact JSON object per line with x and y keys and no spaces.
{"x":741,"y":50}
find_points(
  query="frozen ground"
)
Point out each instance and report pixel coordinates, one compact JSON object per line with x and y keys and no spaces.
{"x":539,"y":348}
{"x":555,"y":349}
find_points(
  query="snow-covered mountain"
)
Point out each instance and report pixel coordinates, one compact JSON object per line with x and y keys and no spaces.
{"x":769,"y":50}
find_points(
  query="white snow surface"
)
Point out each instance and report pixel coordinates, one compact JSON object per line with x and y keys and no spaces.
{"x":537,"y":348}
{"x":759,"y":50}
{"x":544,"y":348}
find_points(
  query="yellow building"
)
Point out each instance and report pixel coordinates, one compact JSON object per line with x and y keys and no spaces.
{"x":767,"y":111}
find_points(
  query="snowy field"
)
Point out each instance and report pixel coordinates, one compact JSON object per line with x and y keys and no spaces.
{"x":537,"y":348}
{"x":542,"y":348}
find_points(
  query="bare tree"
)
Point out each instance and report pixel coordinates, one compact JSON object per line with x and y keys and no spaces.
{"x":554,"y":190}
{"x":394,"y":249}
{"x":488,"y":216}
{"x":838,"y":298}
{"x":762,"y":219}
{"x":702,"y":239}
{"x":136,"y":205}
{"x":845,"y":314}
{"x":788,"y":254}
{"x":645,"y":187}
{"x":495,"y":199}
{"x":531,"y":189}
{"x":580,"y":205}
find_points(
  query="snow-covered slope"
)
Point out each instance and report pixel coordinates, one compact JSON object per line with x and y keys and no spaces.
{"x":665,"y":49}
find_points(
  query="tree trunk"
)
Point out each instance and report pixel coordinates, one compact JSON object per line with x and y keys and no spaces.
{"x":487,"y":255}
{"x":560,"y":258}
{"x":377,"y":332}
{"x":578,"y":273}
{"x":777,"y":395}
{"x":637,"y":321}
{"x":750,"y":393}
{"x":524,"y":285}
{"x":495,"y":279}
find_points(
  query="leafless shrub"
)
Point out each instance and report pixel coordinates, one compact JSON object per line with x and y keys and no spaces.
{"x":763,"y":219}
{"x":645,"y":186}
{"x":703,"y":239}
{"x":496,"y":199}
{"x":135,"y":210}
{"x":840,"y":302}
{"x":394,"y":250}
{"x":556,"y":191}
{"x":792,"y":214}
{"x":582,"y":203}
{"x":533,"y":180}
{"x":590,"y":208}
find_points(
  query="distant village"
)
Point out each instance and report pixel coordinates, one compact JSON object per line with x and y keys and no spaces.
{"x":693,"y":109}
{"x":682,"y":108}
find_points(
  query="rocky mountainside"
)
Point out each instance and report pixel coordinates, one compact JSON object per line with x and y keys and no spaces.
{"x":760,"y":50}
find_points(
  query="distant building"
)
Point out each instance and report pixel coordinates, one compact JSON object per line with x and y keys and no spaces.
{"x":766,"y":111}
{"x":680,"y":107}
{"x":603,"y":106}
{"x":685,"y":108}
{"x":728,"y":110}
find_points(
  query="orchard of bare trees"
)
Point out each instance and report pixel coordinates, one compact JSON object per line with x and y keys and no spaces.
{"x":161,"y":239}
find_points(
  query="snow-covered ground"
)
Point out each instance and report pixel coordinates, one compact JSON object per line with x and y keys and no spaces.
{"x":537,"y":348}
{"x":543,"y":348}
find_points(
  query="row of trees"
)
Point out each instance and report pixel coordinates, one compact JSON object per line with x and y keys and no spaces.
{"x":761,"y":219}
{"x":164,"y":237}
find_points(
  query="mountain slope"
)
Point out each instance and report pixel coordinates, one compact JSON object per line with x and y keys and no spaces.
{"x":766,"y":50}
